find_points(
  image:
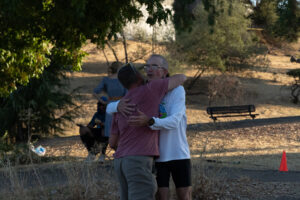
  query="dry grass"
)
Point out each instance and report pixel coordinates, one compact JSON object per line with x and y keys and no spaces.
{"x":77,"y":181}
{"x":249,"y":148}
{"x":246,"y":148}
{"x":256,"y":148}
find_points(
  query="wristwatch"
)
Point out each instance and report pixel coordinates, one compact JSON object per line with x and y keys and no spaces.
{"x":151,"y":122}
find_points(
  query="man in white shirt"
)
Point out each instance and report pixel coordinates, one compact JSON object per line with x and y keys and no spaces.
{"x":173,"y":146}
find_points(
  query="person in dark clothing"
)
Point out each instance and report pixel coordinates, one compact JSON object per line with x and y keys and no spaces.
{"x":92,"y":135}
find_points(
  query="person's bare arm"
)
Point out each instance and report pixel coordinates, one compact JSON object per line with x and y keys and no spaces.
{"x":139,"y":120}
{"x":113,"y":141}
{"x":176,"y":80}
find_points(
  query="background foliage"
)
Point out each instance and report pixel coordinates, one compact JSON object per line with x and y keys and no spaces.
{"x":42,"y":107}
{"x":39,"y":40}
{"x":279,"y":18}
{"x":224,"y":46}
{"x":29,"y":29}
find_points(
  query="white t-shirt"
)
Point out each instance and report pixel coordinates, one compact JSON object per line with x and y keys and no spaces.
{"x":173,"y":143}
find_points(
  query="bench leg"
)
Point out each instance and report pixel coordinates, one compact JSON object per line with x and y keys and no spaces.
{"x":214,"y":118}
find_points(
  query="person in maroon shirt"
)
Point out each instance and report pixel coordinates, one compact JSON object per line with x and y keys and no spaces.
{"x":137,"y":146}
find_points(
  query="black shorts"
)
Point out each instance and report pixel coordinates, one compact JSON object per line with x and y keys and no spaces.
{"x":179,"y":169}
{"x":93,"y":139}
{"x":97,"y":135}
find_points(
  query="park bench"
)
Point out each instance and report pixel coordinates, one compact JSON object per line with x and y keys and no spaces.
{"x":231,"y":111}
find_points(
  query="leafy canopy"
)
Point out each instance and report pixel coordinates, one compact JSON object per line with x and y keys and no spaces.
{"x":280,"y":18}
{"x":30,"y":29}
{"x":225,"y":44}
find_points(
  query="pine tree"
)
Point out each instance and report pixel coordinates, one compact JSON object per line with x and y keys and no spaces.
{"x":42,"y":107}
{"x":288,"y":25}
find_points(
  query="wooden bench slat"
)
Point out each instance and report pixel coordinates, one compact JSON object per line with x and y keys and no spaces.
{"x":232,"y":111}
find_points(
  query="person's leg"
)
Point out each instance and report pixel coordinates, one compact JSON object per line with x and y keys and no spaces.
{"x":163,"y":193}
{"x":101,"y":140}
{"x":123,"y":190}
{"x":181,"y":174}
{"x":184,"y":193}
{"x":162,"y":178}
{"x":140,"y":180}
{"x":86,"y":137}
{"x":97,"y":139}
{"x":104,"y":147}
{"x":103,"y":151}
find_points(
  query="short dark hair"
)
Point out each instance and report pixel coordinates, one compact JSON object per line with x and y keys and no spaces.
{"x":128,"y":75}
{"x":114,"y":67}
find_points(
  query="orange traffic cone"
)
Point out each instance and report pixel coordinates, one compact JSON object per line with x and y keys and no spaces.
{"x":283,"y":165}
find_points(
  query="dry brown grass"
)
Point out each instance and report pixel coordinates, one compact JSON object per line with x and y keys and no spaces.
{"x":62,"y":181}
{"x":247,"y":148}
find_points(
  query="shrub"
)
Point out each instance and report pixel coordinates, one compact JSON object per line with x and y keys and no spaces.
{"x":42,"y":107}
{"x":225,"y":45}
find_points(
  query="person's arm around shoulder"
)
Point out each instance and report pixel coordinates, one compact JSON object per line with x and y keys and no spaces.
{"x":172,"y":121}
{"x":176,"y":80}
{"x":122,"y":106}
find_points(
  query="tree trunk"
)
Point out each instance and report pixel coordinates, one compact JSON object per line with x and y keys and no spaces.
{"x":125,"y":46}
{"x":112,"y":49}
{"x":196,"y":77}
{"x":107,"y":62}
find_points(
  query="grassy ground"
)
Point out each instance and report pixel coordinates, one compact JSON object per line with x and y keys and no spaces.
{"x":251,"y":148}
{"x":220,"y":160}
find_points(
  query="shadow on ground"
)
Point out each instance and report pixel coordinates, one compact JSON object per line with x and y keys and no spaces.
{"x":242,"y":124}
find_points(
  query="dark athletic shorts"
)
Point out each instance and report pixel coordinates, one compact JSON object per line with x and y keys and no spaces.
{"x":179,"y":169}
{"x":97,"y":132}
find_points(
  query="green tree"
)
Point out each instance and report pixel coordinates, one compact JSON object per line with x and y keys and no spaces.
{"x":226,"y":44}
{"x":183,"y":15}
{"x":288,"y":24}
{"x":265,"y":14}
{"x":280,"y":18}
{"x":42,"y":107}
{"x":39,"y":41}
{"x":30,"y":29}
